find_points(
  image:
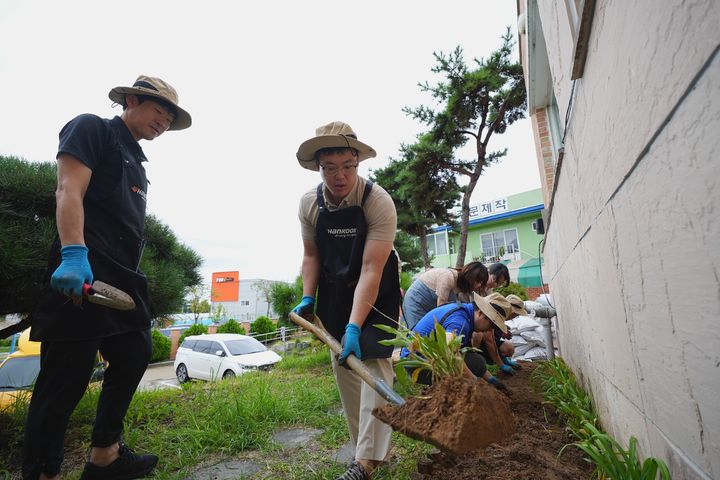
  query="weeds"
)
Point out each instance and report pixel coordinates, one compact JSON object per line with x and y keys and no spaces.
{"x":207,"y":422}
{"x":561,"y":389}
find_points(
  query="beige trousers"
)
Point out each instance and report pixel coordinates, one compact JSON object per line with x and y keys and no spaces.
{"x":370,"y":436}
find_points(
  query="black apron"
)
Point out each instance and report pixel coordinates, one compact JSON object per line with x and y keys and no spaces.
{"x":114,"y":234}
{"x":340,"y":237}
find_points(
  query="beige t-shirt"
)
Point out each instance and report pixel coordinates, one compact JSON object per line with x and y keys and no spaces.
{"x":379,"y":211}
{"x":442,"y":281}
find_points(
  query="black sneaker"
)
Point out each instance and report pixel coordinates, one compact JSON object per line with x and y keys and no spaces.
{"x":354,"y":472}
{"x":127,"y":466}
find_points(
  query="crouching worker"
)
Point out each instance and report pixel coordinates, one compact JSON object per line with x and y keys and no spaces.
{"x":482,"y":315}
{"x":495,"y":345}
{"x":348,"y":227}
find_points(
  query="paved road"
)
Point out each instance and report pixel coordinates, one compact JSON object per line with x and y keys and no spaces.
{"x":159,"y":376}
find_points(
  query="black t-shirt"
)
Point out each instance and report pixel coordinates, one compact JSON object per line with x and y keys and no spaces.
{"x":88,"y":138}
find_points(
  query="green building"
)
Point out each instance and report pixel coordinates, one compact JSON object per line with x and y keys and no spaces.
{"x":500,"y":230}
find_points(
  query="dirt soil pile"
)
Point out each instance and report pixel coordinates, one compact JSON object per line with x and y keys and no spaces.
{"x":531,"y":453}
{"x":457,"y":414}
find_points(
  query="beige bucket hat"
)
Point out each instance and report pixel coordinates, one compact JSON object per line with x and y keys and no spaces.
{"x":334,"y":134}
{"x":154,"y":87}
{"x":491,"y":306}
{"x":517,"y":304}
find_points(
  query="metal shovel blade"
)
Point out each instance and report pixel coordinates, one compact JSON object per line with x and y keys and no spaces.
{"x":101,"y":293}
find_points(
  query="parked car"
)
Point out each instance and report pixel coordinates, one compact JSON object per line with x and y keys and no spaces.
{"x":221,"y":355}
{"x":20,"y":369}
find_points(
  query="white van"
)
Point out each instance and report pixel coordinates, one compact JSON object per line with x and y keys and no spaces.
{"x":221,"y":355}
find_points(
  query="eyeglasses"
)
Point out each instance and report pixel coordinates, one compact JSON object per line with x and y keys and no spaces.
{"x":334,"y":170}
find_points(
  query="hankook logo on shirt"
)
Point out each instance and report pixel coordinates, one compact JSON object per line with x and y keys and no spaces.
{"x":140,"y":192}
{"x":342,"y":232}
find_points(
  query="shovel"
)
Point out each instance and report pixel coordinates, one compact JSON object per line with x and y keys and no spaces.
{"x":101,"y":293}
{"x":377,"y":384}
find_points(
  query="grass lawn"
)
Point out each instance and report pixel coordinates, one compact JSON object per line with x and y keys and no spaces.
{"x":208,"y":422}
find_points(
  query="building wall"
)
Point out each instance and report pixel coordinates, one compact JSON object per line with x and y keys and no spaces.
{"x":527,"y":239}
{"x":250,"y":303}
{"x":632,"y":242}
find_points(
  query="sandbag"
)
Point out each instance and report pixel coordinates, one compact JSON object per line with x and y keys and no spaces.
{"x":522,"y":324}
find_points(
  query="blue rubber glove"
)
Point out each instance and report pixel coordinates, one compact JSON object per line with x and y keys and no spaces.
{"x":496,"y":383}
{"x":507,"y":369}
{"x":350,"y":343}
{"x":512,"y":363}
{"x":74,"y":271}
{"x":305,"y":306}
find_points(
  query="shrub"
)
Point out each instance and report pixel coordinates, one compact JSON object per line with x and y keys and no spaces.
{"x":262,"y":325}
{"x":196,"y":329}
{"x":231,"y":326}
{"x":515,"y":289}
{"x":160,"y":347}
{"x":406,"y":280}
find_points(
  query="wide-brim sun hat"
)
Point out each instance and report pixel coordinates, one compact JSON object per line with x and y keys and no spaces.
{"x":487,"y":306}
{"x":517,"y":304}
{"x":332,"y":135}
{"x":154,"y":87}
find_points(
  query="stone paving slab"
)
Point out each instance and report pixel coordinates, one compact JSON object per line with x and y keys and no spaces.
{"x":232,"y":470}
{"x":295,"y":437}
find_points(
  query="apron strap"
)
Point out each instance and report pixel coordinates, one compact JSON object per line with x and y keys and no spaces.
{"x":320,"y":198}
{"x":366,"y":193}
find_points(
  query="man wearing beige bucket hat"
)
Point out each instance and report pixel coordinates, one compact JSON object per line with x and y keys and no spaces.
{"x":348,"y":227}
{"x":101,"y":197}
{"x":483,"y":314}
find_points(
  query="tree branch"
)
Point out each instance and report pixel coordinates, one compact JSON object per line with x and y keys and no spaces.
{"x":498,"y":120}
{"x":468,"y":133}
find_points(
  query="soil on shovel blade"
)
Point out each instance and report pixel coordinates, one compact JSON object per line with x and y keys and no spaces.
{"x":531,"y":453}
{"x":458,"y":415}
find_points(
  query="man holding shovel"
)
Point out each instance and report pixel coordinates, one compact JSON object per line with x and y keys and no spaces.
{"x":348,"y":227}
{"x":101,"y":197}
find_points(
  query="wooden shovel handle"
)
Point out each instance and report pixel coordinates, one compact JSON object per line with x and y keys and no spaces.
{"x":352,"y":361}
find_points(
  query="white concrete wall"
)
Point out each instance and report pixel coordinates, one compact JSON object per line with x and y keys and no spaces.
{"x":633,"y":246}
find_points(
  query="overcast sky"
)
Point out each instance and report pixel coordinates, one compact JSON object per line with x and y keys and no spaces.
{"x":257,"y":78}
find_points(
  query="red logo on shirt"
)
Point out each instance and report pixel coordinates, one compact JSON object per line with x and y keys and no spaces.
{"x":139,"y":191}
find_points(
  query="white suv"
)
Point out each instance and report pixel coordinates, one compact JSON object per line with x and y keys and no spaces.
{"x":221,"y":355}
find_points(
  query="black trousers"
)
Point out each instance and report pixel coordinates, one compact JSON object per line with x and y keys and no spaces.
{"x":65,"y":370}
{"x":474,"y":361}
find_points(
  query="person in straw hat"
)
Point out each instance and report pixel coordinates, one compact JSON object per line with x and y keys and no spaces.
{"x":101,"y":197}
{"x":483,"y":314}
{"x":495,"y":345}
{"x":348,"y":226}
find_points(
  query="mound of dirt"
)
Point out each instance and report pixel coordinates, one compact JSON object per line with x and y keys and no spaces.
{"x":458,"y":415}
{"x":531,"y":453}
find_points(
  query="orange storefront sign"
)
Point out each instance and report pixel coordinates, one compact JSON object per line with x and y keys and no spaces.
{"x":225,"y":286}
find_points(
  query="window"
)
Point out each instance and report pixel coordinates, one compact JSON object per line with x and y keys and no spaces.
{"x":19,"y":372}
{"x":497,"y":245}
{"x":202,"y":346}
{"x":437,"y":243}
{"x":556,"y":128}
{"x":244,"y":346}
{"x":580,"y":15}
{"x":244,"y":303}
